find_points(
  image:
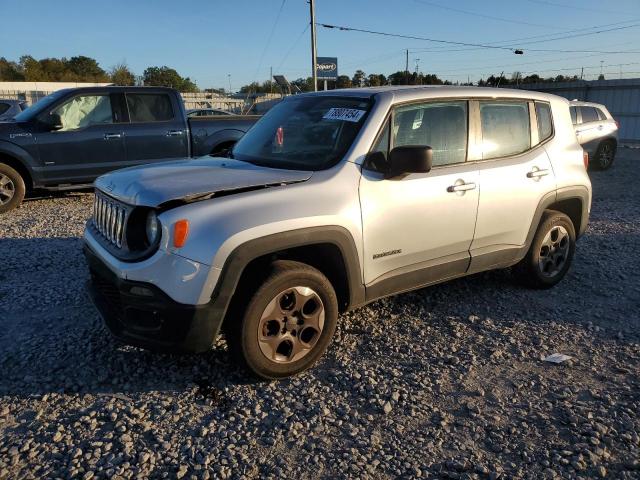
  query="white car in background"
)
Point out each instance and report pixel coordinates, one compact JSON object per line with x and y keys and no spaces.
{"x":597,"y":132}
{"x":206,"y":112}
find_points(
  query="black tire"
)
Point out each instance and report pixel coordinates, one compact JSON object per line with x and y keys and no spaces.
{"x":12,"y":188}
{"x":548,"y":259}
{"x":605,"y":154}
{"x":244,"y":331}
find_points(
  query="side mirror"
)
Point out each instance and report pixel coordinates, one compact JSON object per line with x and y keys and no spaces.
{"x":55,"y":122}
{"x":410,"y":159}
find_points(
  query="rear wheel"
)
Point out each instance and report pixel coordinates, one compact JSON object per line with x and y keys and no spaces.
{"x":551,"y":252}
{"x":605,"y":155}
{"x":288,"y":322}
{"x":12,"y":188}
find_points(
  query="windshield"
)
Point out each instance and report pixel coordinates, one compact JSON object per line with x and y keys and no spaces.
{"x":306,"y":133}
{"x":39,"y":106}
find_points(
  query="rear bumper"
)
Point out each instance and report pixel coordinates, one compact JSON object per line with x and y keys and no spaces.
{"x":141,"y":314}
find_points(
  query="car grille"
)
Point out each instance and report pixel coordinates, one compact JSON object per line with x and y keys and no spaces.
{"x":109,"y":218}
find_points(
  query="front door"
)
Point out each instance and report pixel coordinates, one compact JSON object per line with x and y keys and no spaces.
{"x":418,"y":228}
{"x":88,"y":144}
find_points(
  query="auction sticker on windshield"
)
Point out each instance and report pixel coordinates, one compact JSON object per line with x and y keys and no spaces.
{"x":346,"y":114}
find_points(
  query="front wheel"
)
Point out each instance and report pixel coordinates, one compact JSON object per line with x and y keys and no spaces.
{"x":12,"y":188}
{"x":288,"y":322}
{"x":551,"y":252}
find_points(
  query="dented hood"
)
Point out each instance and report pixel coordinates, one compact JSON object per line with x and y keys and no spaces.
{"x":191,"y":180}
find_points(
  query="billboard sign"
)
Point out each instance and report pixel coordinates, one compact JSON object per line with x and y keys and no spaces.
{"x":327,"y":68}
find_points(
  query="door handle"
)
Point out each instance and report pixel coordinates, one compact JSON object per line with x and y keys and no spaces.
{"x":461,"y":186}
{"x":600,"y":127}
{"x":174,"y":133}
{"x":537,"y":173}
{"x":109,"y":136}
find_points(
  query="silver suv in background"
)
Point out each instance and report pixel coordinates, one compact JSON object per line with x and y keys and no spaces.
{"x":11,"y":108}
{"x":596,"y":131}
{"x":333,"y":200}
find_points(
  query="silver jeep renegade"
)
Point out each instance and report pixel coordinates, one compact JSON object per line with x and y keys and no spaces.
{"x":333,"y":200}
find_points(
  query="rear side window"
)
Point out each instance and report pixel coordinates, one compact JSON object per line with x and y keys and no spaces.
{"x":442,"y":126}
{"x":505,"y":128}
{"x":589,"y":114}
{"x":545,"y":125}
{"x":601,"y":115}
{"x":149,"y":107}
{"x":574,"y":115}
{"x":4,"y":107}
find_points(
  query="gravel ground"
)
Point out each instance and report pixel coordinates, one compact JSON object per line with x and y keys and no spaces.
{"x":446,"y":382}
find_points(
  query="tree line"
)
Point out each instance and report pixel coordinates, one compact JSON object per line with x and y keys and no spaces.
{"x":361,"y":79}
{"x":86,"y":69}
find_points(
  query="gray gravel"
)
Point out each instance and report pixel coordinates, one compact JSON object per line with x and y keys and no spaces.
{"x":446,"y":382}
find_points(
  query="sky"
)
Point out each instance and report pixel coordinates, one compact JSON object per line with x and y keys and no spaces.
{"x":214,"y":41}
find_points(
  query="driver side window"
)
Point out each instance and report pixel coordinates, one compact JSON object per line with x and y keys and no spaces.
{"x":85,"y":110}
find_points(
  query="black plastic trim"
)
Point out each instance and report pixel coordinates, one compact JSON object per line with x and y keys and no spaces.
{"x":154,"y":321}
{"x":271,"y":244}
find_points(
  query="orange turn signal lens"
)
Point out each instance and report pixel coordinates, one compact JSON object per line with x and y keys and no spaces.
{"x":585,"y":159}
{"x":180,"y":233}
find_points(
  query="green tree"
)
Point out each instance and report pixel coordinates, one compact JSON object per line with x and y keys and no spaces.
{"x":343,"y":81}
{"x":376,"y":80}
{"x":121,"y":75}
{"x":359,"y":79}
{"x":84,"y":69}
{"x":168,"y":77}
{"x":10,"y":71}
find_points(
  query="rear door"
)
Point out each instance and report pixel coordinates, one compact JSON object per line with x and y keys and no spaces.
{"x":589,"y":125}
{"x":515,"y":174}
{"x":89,"y":143}
{"x":156,"y":130}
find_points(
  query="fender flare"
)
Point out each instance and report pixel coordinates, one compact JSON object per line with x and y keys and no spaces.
{"x":204,"y":145}
{"x":242,"y":255}
{"x":23,"y":158}
{"x":566,"y":193}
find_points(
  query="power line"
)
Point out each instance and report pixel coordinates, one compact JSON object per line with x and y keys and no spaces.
{"x":555,"y":35}
{"x":575,"y":7}
{"x":482,"y":15}
{"x":293,"y":45}
{"x":266,"y":45}
{"x":412,"y":37}
{"x":451,"y":42}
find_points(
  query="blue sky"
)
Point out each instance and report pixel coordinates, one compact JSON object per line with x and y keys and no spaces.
{"x":209,"y":39}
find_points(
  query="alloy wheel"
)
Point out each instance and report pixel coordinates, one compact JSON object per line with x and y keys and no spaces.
{"x":291,"y":325}
{"x":606,"y":155}
{"x":7,"y":189}
{"x":554,"y":251}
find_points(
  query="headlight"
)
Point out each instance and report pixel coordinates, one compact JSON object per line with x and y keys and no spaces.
{"x":152,"y":227}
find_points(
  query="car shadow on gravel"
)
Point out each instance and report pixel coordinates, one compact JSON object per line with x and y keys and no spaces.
{"x":52,"y":339}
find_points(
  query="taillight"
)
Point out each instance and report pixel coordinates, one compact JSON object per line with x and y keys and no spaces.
{"x":617,"y":124}
{"x":585,"y":159}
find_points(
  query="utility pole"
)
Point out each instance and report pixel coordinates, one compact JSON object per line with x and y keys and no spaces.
{"x":581,"y":73}
{"x":314,"y":61}
{"x":406,"y":70}
{"x":229,"y":77}
{"x":271,"y":79}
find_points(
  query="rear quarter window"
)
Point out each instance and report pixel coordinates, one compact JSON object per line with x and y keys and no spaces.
{"x":545,"y":122}
{"x":574,"y":115}
{"x":149,"y":107}
{"x":505,"y":128}
{"x":589,"y":114}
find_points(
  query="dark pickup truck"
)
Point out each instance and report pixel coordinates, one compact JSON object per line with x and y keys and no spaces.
{"x":72,"y":136}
